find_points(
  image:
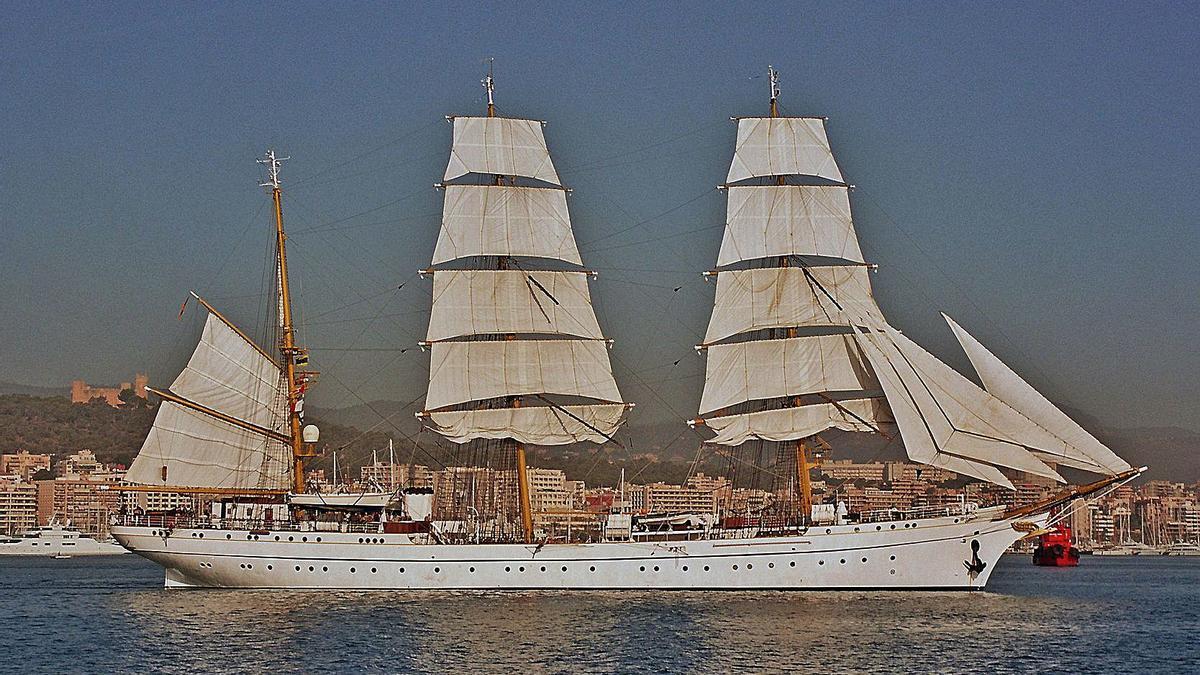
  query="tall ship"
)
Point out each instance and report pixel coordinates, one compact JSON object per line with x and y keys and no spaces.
{"x":796,"y":346}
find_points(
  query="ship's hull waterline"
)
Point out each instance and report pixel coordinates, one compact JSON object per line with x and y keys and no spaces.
{"x":918,"y":554}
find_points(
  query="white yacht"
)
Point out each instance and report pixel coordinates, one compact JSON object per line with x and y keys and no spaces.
{"x":57,"y":541}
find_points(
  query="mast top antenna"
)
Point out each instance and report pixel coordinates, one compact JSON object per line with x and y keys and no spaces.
{"x":773,"y":79}
{"x":489,"y":84}
{"x":272,"y":163}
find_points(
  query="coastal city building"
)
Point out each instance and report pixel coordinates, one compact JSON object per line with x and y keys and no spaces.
{"x":18,"y":505}
{"x":23,"y":463}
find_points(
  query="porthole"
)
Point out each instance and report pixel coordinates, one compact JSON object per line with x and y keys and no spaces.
{"x":472,"y":570}
{"x":318,"y":540}
{"x":229,"y":536}
{"x":270,"y":567}
{"x":352,"y":570}
{"x":893,"y":557}
{"x":685,"y":568}
{"x":507,"y":569}
{"x":324,"y":569}
{"x":878,"y":527}
{"x":642,"y":569}
{"x":249,"y":566}
{"x":248,"y":537}
{"x":520,"y":569}
{"x":437,"y":570}
{"x":828,"y":531}
{"x":312,"y":569}
{"x":592,"y":569}
{"x":303,"y":538}
{"x":656,"y":568}
{"x":893,"y":571}
{"x":792,"y":564}
{"x":750,"y":566}
{"x":864,"y":560}
{"x":843,"y":561}
{"x":291,"y":538}
{"x":735,"y":567}
{"x":374,"y":570}
{"x":820,"y":562}
{"x":297,"y":568}
{"x":543,"y":568}
{"x":976,"y":532}
{"x":706,"y":568}
{"x":856,"y":529}
{"x":402,"y":570}
{"x":893,"y":526}
{"x":276,"y":537}
{"x":771,"y":565}
{"x":201,"y":535}
{"x":360,"y":540}
{"x":565,"y":568}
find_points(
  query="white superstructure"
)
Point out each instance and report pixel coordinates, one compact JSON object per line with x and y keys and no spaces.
{"x":57,"y":540}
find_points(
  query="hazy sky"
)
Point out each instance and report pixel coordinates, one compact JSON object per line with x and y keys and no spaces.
{"x":1030,"y":169}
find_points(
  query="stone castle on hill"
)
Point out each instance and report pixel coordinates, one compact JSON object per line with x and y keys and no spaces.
{"x":82,"y":392}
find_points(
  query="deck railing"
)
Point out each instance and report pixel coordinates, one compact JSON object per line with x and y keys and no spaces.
{"x":941,"y":511}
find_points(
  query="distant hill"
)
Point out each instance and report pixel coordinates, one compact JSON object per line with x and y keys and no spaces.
{"x":653,"y":450}
{"x":30,"y":390}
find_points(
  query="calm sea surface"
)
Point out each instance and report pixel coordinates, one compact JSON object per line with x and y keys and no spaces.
{"x":111,"y":614}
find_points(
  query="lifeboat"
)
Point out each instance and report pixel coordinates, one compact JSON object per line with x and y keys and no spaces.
{"x":1055,"y":549}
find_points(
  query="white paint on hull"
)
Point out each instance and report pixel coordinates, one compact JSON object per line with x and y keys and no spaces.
{"x":918,"y":554}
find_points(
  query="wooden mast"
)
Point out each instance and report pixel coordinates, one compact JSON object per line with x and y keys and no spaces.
{"x":803,"y":480}
{"x":287,"y":340}
{"x":523,"y":497}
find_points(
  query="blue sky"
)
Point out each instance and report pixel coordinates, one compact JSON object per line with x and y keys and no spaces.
{"x":1029,"y":168}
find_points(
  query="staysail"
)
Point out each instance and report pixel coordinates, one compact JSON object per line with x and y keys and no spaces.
{"x":516,"y":351}
{"x":222,"y":422}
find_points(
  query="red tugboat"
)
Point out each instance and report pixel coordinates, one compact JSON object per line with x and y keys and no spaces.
{"x":1055,"y":549}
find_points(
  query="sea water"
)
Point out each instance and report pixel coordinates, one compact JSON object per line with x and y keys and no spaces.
{"x":111,"y":614}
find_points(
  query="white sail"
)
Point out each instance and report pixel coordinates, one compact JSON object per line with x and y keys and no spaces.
{"x":763,"y":369}
{"x":787,"y":297}
{"x":229,"y":375}
{"x":766,"y":221}
{"x":540,"y":425}
{"x":473,"y":371}
{"x":1078,"y":448}
{"x":962,"y":419}
{"x":791,"y":424}
{"x":502,"y":146}
{"x":778,"y":146}
{"x":919,"y":442}
{"x":492,"y":302}
{"x":190,"y":448}
{"x":507,"y":221}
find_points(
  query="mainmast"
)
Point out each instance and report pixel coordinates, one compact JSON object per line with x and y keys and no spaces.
{"x":288,"y":351}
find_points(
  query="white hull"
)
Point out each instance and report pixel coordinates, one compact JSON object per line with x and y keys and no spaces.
{"x":920,"y":554}
{"x":81,"y":546}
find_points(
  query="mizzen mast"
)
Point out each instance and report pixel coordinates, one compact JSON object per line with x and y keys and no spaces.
{"x":295,"y":382}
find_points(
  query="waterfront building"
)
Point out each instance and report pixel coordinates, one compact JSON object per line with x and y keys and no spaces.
{"x":78,"y":465}
{"x":18,"y":505}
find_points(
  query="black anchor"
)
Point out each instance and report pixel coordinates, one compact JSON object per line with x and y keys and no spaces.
{"x":975,"y":566}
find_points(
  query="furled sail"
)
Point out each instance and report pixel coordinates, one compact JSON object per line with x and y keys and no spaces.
{"x":505,"y":220}
{"x":764,"y":221}
{"x":786,"y":424}
{"x":780,"y":146}
{"x":1077,"y":448}
{"x":515,"y":353}
{"x":188,"y":446}
{"x":500,"y":146}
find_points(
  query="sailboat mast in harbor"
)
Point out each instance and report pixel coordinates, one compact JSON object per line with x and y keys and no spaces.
{"x":517,"y":356}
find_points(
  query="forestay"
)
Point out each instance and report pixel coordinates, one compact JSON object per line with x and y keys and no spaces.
{"x":766,"y":221}
{"x":500,"y":146}
{"x":778,"y":146}
{"x":507,"y":221}
{"x":1076,"y":447}
{"x":231,"y":376}
{"x":494,"y":302}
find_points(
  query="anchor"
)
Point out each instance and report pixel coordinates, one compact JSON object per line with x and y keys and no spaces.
{"x":975,"y":566}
